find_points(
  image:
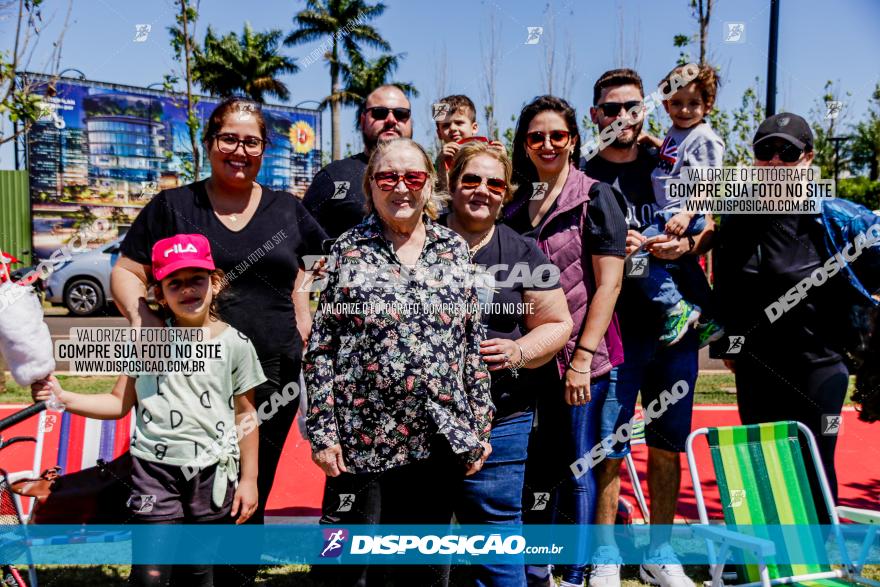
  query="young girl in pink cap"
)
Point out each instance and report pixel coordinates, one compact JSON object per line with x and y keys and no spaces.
{"x":194,"y":459}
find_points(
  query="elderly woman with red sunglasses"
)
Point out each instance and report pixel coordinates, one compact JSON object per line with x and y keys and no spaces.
{"x":527,"y":322}
{"x":399,"y":403}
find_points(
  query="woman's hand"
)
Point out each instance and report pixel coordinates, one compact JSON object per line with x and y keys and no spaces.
{"x":577,"y":386}
{"x":669,"y":247}
{"x":498,"y":353}
{"x":478,"y":464}
{"x":44,"y":389}
{"x":330,"y":460}
{"x":145,"y":317}
{"x":634,"y":240}
{"x":245,"y":500}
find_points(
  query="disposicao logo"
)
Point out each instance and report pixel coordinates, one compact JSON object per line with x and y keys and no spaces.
{"x":333,"y":543}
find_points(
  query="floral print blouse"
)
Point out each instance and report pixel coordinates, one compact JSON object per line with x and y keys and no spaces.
{"x":393,"y":359}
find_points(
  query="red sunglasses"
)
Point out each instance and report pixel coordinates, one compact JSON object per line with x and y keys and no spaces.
{"x":472,"y":181}
{"x":558,"y":139}
{"x":388,"y":180}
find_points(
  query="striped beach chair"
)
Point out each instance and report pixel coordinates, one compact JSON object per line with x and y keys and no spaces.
{"x":81,"y":443}
{"x":762,"y":481}
{"x":84,"y":440}
{"x":637,"y":437}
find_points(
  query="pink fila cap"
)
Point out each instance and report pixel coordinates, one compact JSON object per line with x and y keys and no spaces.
{"x":181,"y":251}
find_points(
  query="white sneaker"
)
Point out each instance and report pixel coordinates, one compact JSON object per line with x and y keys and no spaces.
{"x":605,"y":569}
{"x":661,"y":567}
{"x":539,"y":576}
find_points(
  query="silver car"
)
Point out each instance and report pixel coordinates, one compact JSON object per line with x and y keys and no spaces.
{"x":82,"y":284}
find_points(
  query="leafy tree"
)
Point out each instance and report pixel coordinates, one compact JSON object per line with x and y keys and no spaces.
{"x":345,"y":23}
{"x":866,"y":144}
{"x":861,"y":190}
{"x":21,"y":98}
{"x":184,"y":47}
{"x":827,"y":123}
{"x":364,"y":76}
{"x":249,"y":64}
{"x":737,"y":127}
{"x":701,"y":10}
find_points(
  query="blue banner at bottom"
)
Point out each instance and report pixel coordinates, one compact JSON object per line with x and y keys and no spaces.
{"x":382,"y":544}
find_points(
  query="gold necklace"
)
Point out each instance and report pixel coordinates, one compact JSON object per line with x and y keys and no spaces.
{"x":482,"y":243}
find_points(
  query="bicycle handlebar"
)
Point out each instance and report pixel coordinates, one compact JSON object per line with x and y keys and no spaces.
{"x":22,"y":415}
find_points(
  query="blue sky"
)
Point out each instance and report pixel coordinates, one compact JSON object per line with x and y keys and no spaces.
{"x":819,"y":41}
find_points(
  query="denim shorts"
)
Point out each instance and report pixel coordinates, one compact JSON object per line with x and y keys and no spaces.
{"x":653,"y":370}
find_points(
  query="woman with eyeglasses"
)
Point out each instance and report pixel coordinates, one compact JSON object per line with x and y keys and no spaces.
{"x":259,"y":237}
{"x":787,"y":358}
{"x":579,"y":224}
{"x":400,"y":409}
{"x":527,"y":322}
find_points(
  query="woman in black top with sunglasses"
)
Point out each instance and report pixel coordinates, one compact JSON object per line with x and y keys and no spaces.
{"x":788,"y":364}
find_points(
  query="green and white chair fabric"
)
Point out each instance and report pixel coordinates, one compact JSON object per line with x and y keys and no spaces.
{"x":762,"y":481}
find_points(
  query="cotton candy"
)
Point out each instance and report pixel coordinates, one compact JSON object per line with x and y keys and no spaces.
{"x":25,"y":341}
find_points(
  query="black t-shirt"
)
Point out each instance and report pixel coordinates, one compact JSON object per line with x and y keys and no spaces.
{"x":604,"y":226}
{"x":526,"y":268}
{"x":261,"y":261}
{"x":633,"y":180}
{"x":758,"y":259}
{"x":346,"y":210}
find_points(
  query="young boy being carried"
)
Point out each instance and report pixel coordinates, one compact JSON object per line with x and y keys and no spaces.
{"x":691,"y":142}
{"x":456,"y":119}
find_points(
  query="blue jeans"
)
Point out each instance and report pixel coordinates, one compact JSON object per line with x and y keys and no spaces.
{"x":651,"y":369}
{"x":552,"y":493}
{"x":664,"y":279}
{"x":494,"y":495}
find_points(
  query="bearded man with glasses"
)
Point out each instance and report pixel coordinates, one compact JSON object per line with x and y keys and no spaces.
{"x":627,"y":162}
{"x":335,"y":197}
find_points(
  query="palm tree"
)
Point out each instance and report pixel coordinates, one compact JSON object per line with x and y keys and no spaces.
{"x":344,"y":21}
{"x":249,"y":64}
{"x":363,"y":76}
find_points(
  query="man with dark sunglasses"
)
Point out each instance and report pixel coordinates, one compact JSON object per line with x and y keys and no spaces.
{"x":649,"y":369}
{"x":335,"y":197}
{"x":791,"y":367}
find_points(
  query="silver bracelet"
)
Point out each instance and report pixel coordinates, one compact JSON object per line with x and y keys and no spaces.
{"x":514,"y":369}
{"x":576,"y":370}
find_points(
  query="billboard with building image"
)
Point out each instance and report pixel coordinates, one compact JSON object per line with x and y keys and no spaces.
{"x":103,"y":150}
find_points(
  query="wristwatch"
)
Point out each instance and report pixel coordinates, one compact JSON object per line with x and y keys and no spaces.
{"x":691,"y":243}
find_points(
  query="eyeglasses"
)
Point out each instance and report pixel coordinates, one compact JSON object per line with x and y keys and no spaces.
{"x":788,"y":153}
{"x":381,"y":113}
{"x":472,"y":181}
{"x":388,"y":180}
{"x":558,"y":139}
{"x":613,"y":108}
{"x":228,"y":143}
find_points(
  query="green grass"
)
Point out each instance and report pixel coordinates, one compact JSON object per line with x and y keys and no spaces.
{"x":81,"y":384}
